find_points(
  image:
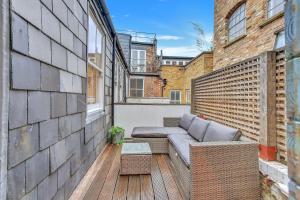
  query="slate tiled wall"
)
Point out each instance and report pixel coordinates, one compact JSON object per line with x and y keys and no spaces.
{"x":292,"y":38}
{"x":50,"y":146}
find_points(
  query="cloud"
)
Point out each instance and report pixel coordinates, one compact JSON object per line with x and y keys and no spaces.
{"x":191,"y":50}
{"x":168,"y":37}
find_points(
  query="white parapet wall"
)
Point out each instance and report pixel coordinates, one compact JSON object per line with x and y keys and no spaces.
{"x":129,"y":116}
{"x":149,"y":100}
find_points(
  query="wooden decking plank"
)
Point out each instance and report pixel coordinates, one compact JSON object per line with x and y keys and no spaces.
{"x":96,"y":186}
{"x":111,"y":178}
{"x":146,"y":188}
{"x":134,"y":188}
{"x":86,"y":182}
{"x":172,"y":169}
{"x":159,"y":189}
{"x":170,"y":183}
{"x":120,"y":192}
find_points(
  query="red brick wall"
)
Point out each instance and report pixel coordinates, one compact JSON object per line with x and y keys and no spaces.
{"x":152,"y":87}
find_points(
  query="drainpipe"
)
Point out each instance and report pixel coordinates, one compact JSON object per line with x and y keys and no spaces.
{"x":113,"y":80}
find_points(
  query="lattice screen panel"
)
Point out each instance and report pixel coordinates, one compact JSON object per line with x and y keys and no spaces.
{"x":231,"y":96}
{"x":280,"y":105}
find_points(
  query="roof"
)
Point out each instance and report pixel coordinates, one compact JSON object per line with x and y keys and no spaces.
{"x":202,"y":53}
{"x":178,"y":57}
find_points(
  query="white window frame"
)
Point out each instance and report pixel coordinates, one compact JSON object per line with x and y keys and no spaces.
{"x":141,"y":63}
{"x":188,"y":96}
{"x":238,"y":18}
{"x":94,"y":111}
{"x":272,"y":8}
{"x":175,"y":101}
{"x":136,"y":88}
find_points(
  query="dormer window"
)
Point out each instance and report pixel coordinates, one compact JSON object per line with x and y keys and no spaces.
{"x":237,"y":23}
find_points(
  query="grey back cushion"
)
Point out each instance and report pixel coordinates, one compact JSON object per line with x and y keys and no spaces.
{"x":198,"y":128}
{"x":219,"y":132}
{"x":186,"y":121}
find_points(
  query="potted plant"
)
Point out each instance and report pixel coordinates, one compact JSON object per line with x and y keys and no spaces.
{"x":117,"y":134}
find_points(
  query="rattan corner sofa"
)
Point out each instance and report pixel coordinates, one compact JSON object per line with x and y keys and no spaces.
{"x":210,"y":161}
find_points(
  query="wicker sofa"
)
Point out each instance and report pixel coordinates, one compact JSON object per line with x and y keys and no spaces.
{"x":210,"y":160}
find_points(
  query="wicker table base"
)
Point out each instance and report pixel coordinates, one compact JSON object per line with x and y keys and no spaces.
{"x":135,"y":159}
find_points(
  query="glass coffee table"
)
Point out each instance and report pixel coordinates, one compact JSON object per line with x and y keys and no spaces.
{"x":135,"y":159}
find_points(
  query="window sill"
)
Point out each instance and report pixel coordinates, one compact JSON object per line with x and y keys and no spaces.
{"x":235,"y":40}
{"x":270,"y":20}
{"x":93,"y":114}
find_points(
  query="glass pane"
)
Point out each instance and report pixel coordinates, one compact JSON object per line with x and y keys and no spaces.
{"x":92,"y":36}
{"x":139,"y":93}
{"x":140,"y":84}
{"x":280,"y":40}
{"x":172,"y":95}
{"x":99,"y":42}
{"x":177,"y":95}
{"x":93,"y":85}
{"x":132,"y":83}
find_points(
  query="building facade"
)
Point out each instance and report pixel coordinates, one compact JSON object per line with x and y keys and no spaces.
{"x":59,"y":104}
{"x":175,"y":60}
{"x":177,"y":79}
{"x":244,"y":29}
{"x":140,"y":52}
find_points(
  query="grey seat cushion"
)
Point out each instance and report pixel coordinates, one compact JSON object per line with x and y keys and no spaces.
{"x":198,"y":128}
{"x":156,"y":132}
{"x":186,"y":121}
{"x":181,"y":144}
{"x":219,"y":132}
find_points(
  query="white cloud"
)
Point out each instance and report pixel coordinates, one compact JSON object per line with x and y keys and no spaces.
{"x":191,"y":50}
{"x":168,"y":37}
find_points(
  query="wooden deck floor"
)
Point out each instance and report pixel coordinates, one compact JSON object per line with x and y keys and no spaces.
{"x":103,"y":181}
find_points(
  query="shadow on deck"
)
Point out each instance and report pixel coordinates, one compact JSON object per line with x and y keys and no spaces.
{"x":104,"y":182}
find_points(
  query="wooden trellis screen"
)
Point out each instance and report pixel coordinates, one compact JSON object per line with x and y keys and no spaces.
{"x":280,"y":104}
{"x":231,"y":96}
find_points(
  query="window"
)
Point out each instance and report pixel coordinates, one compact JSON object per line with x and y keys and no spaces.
{"x":275,"y":7}
{"x":95,"y":80}
{"x":138,"y":60}
{"x":237,"y":23}
{"x":137,"y":87}
{"x":180,"y":63}
{"x":175,"y":97}
{"x":280,"y":40}
{"x":174,"y":63}
{"x":188,"y":96}
{"x":168,"y":62}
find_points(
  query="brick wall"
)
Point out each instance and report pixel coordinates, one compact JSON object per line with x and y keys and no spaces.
{"x":260,"y":32}
{"x":50,"y":145}
{"x":175,"y":80}
{"x":179,"y":78}
{"x":198,"y":67}
{"x":153,"y":86}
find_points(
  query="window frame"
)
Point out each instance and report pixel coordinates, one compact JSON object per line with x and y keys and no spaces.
{"x":175,"y":101}
{"x":139,"y":63}
{"x":188,"y":96}
{"x":94,"y":111}
{"x":270,"y":9}
{"x":233,"y":16}
{"x":137,"y":88}
{"x":282,"y":34}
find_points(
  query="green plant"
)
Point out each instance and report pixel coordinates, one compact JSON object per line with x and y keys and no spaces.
{"x":117,"y":134}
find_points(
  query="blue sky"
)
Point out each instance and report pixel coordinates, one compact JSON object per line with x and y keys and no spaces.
{"x":171,"y":20}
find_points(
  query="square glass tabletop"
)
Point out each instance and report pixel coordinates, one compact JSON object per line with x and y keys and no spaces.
{"x":135,"y":148}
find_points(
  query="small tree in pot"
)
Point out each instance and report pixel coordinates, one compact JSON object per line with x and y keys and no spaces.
{"x":117,"y":134}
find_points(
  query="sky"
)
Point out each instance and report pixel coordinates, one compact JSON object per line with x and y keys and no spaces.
{"x":171,"y":20}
